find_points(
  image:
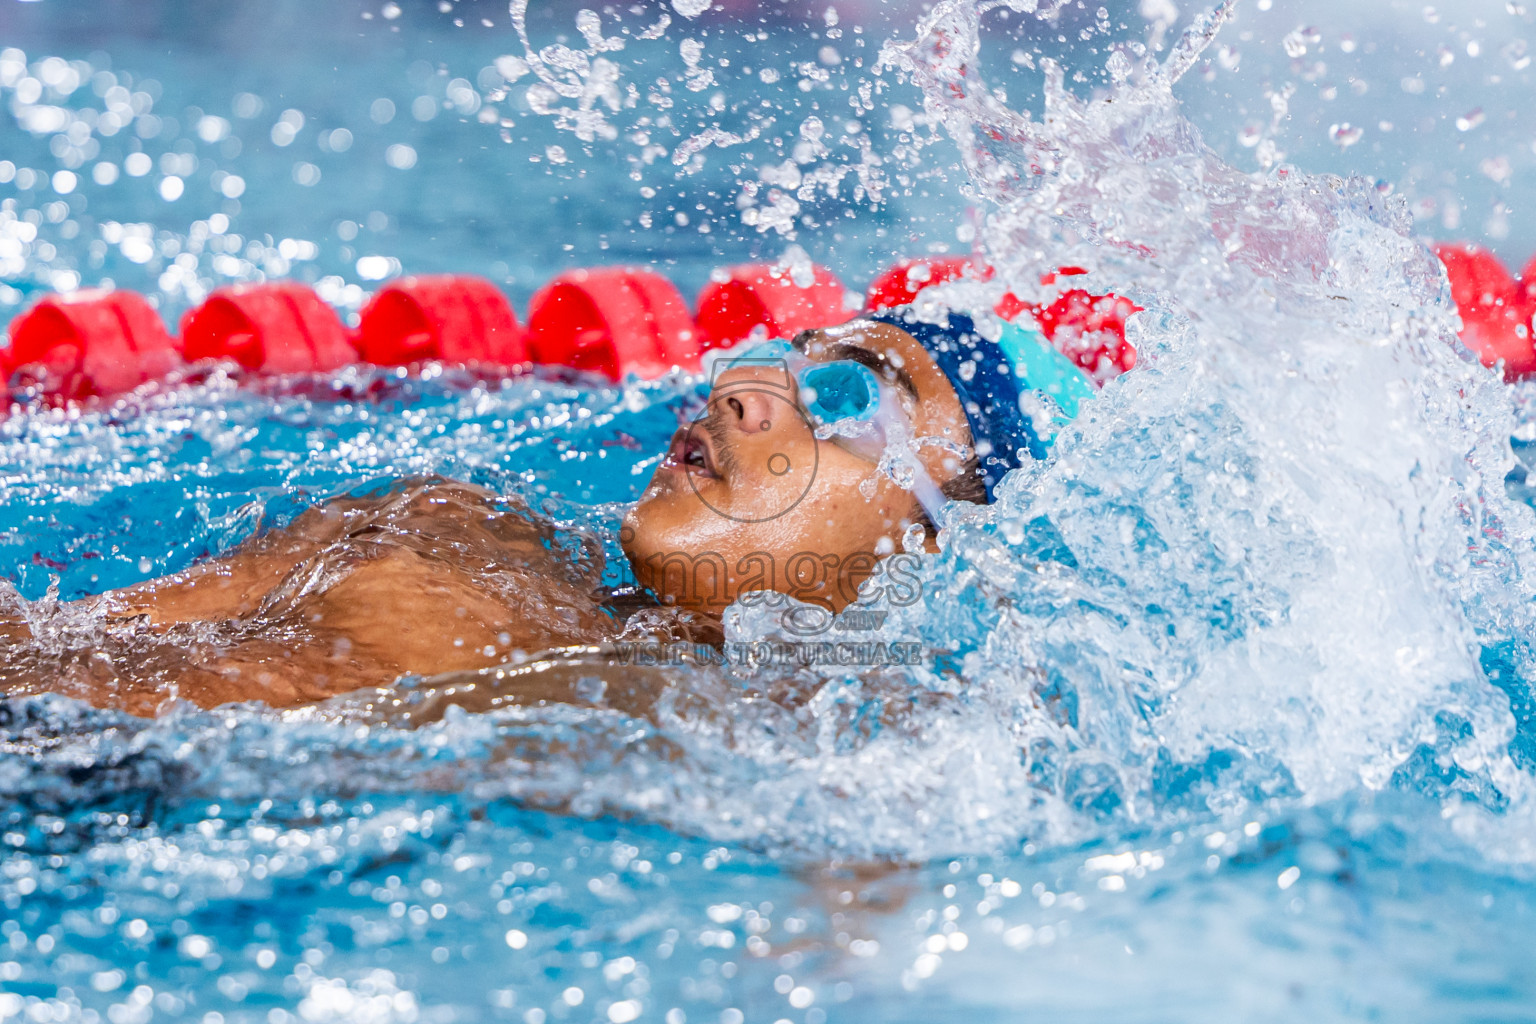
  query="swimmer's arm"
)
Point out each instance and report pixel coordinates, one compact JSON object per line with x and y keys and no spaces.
{"x":227,"y":587}
{"x":591,"y":676}
{"x":144,"y":673}
{"x":234,"y":584}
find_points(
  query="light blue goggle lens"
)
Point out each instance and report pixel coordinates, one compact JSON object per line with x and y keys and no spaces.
{"x":841,"y":390}
{"x":829,"y":392}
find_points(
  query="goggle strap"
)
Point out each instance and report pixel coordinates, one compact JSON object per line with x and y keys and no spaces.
{"x":927,"y":493}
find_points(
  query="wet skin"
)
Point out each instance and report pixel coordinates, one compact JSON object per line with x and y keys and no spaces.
{"x":434,"y":576}
{"x":437,"y":576}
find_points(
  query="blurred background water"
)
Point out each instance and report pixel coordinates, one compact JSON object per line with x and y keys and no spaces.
{"x":282,"y":119}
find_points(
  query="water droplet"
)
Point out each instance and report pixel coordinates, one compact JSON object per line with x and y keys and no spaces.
{"x":1345,"y":135}
{"x":1497,"y":168}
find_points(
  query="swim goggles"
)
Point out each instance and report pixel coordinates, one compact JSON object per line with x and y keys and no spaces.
{"x":846,"y":403}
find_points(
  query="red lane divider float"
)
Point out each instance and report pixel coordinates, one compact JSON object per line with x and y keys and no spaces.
{"x":1495,"y":309}
{"x":1089,"y":329}
{"x":757,"y":295}
{"x":454,"y":318}
{"x":278,"y":328}
{"x":899,"y":285}
{"x":88,"y":343}
{"x":615,"y":321}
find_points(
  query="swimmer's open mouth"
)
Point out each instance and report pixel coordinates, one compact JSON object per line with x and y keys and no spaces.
{"x":690,"y":452}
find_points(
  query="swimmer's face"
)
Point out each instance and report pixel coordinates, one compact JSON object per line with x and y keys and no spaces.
{"x":747,"y":498}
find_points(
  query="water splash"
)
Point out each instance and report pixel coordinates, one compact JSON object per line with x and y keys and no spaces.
{"x":1264,"y":569}
{"x":1286,"y":536}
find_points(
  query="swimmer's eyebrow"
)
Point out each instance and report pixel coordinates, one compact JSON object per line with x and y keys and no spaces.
{"x":864,"y":357}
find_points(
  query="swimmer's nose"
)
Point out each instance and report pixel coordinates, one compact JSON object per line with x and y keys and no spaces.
{"x":751,"y":411}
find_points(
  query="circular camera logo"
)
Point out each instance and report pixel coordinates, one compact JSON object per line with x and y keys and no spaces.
{"x":806,"y":620}
{"x":796,"y":471}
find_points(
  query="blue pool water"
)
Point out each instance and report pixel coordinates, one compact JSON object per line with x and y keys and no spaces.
{"x":1225,"y":712}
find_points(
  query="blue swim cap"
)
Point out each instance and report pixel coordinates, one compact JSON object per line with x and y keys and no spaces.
{"x":990,"y":378}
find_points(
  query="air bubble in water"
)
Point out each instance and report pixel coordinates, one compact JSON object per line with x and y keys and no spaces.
{"x":690,"y":8}
{"x":1471,"y":119}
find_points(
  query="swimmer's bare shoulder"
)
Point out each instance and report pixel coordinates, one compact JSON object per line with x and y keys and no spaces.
{"x":432,"y":576}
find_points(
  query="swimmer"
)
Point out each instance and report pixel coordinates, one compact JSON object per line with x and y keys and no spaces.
{"x":809,"y":461}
